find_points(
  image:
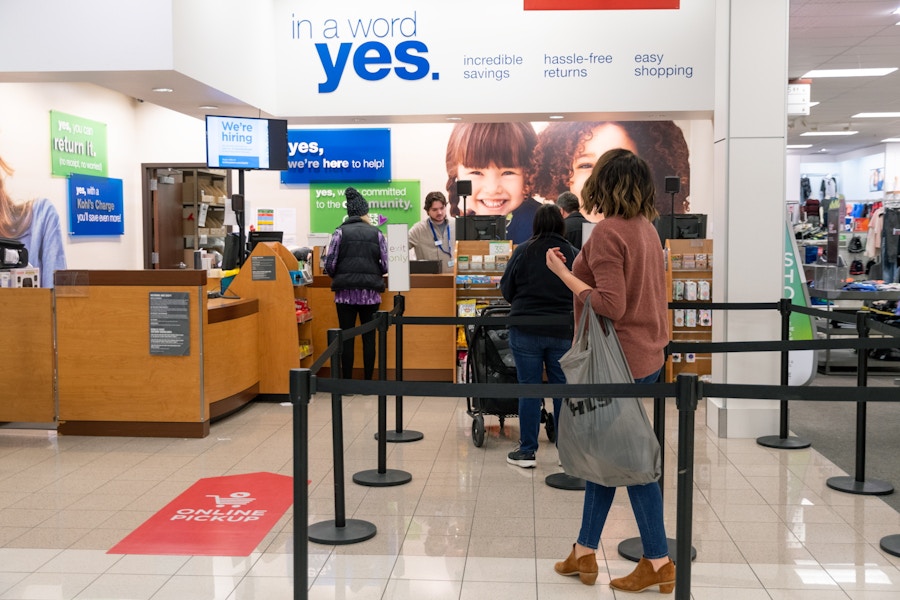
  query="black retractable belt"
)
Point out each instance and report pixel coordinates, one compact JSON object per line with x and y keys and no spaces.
{"x":13,"y":254}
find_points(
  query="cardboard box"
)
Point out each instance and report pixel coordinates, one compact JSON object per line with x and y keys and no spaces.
{"x":26,"y":277}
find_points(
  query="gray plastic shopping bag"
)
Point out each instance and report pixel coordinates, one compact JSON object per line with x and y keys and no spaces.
{"x":605,"y":440}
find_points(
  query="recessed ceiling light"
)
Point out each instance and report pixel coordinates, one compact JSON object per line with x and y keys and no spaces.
{"x":208,"y":107}
{"x":889,"y":140}
{"x":557,"y":117}
{"x":454,"y":118}
{"x":798,"y":146}
{"x":829,"y":133}
{"x":358,"y":120}
{"x":874,"y":72}
{"x":811,"y":104}
{"x":875,"y":115}
{"x":164,"y":90}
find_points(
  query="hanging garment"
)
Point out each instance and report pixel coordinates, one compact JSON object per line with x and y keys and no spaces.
{"x":805,"y":189}
{"x":873,"y":238}
{"x":890,"y":244}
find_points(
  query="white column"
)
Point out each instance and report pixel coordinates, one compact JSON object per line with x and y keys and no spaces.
{"x":748,"y":230}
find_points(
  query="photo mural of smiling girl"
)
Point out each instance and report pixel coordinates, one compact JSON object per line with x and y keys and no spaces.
{"x":496,"y":158}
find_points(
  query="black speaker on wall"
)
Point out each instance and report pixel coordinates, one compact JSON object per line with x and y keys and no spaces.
{"x":463,"y":187}
{"x":673,"y":185}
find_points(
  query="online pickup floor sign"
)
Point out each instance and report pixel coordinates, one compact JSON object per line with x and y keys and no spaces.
{"x":217,"y":516}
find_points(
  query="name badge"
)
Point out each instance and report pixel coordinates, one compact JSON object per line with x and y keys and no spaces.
{"x":437,"y":243}
{"x":450,"y":263}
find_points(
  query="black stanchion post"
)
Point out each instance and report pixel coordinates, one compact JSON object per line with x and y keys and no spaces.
{"x":399,"y":435}
{"x":340,"y":530}
{"x":633,"y":548}
{"x":300,"y":390}
{"x":858,"y":484}
{"x":686,"y":401}
{"x":783,"y":440}
{"x":382,"y":477}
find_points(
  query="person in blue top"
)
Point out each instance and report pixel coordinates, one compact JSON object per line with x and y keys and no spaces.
{"x":356,"y":261}
{"x":533,"y":290}
{"x":34,"y":223}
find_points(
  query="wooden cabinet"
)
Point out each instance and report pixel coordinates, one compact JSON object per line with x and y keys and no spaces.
{"x":267,"y":277}
{"x":689,"y":279}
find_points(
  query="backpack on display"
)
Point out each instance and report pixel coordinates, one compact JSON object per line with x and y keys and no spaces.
{"x":857,"y":268}
{"x":13,"y":254}
{"x":855,"y":245}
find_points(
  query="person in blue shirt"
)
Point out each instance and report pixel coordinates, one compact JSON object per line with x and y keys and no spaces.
{"x":34,"y":223}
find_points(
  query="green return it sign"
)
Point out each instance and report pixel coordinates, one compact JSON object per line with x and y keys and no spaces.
{"x":77,"y":145}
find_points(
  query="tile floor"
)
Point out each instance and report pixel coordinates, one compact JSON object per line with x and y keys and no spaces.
{"x":468,"y":526}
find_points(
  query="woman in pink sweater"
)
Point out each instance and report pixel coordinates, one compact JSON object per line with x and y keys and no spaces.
{"x":621,"y":266}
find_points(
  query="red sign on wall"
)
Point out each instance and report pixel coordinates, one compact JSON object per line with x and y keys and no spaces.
{"x":601,"y":4}
{"x":217,"y":516}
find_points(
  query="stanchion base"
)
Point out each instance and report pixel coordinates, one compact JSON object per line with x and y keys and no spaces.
{"x":788,"y":443}
{"x":562,"y":481}
{"x":870,"y":487}
{"x":891,"y":544}
{"x":353,"y":531}
{"x":632,"y":549}
{"x":399,"y":437}
{"x":373,"y":478}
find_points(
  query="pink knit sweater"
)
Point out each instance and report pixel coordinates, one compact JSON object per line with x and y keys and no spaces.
{"x":623,"y":262}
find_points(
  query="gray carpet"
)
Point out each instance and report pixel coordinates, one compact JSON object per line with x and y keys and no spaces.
{"x":831,"y":429}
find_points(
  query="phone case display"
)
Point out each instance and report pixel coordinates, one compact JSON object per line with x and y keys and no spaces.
{"x":689,"y":273}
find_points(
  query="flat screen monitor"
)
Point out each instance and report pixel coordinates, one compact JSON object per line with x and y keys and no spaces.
{"x":681,"y":227}
{"x":481,"y":227}
{"x":246,"y":143}
{"x":232,"y":254}
{"x":256,"y":237}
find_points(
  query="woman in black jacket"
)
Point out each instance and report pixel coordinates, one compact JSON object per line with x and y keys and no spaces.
{"x":533,"y":290}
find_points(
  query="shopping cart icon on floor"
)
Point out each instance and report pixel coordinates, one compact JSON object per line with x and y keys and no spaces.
{"x":235,"y":499}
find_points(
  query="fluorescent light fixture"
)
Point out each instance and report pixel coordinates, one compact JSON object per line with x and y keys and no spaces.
{"x":798,"y":146}
{"x":889,"y":140}
{"x":164,"y":90}
{"x":810,"y":133}
{"x":876,"y":115}
{"x":874,"y":72}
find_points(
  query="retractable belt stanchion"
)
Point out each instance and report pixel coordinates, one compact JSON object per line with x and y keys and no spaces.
{"x":399,"y":435}
{"x":686,"y":401}
{"x":632,"y":548}
{"x":300,"y":390}
{"x":382,"y":476}
{"x":340,"y":530}
{"x":858,"y":484}
{"x":782,"y":440}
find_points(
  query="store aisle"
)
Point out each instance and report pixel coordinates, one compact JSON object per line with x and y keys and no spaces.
{"x":468,"y":525}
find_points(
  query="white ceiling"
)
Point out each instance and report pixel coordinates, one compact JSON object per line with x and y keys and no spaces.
{"x":824,"y":34}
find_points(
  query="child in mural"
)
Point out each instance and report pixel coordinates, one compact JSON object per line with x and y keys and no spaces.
{"x":34,"y":223}
{"x":566,"y":153}
{"x":495,"y":157}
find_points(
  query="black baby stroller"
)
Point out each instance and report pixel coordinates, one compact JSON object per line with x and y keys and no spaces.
{"x":490,"y":360}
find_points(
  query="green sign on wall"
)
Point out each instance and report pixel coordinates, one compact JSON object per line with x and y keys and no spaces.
{"x":77,"y":145}
{"x":389,"y":202}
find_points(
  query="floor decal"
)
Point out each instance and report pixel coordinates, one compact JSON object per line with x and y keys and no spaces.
{"x":217,"y":516}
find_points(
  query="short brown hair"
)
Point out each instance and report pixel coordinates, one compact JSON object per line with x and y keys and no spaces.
{"x":621,"y":184}
{"x":433,"y":197}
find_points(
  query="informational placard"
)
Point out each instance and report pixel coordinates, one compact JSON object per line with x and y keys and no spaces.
{"x":96,"y":206}
{"x":262,"y":268}
{"x":77,"y":145}
{"x":802,"y":364}
{"x":170,"y":322}
{"x":338,"y":155}
{"x":398,"y":257}
{"x":389,"y":202}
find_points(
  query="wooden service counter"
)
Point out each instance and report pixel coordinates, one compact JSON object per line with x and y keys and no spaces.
{"x":429,"y":351}
{"x":26,"y":333}
{"x":144,"y":353}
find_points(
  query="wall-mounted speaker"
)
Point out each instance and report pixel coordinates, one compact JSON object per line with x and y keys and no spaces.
{"x":463,"y":187}
{"x":237,"y":202}
{"x":673,"y":185}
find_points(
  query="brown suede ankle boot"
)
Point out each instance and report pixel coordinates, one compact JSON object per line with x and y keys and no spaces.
{"x":585,"y":567}
{"x":644,"y":577}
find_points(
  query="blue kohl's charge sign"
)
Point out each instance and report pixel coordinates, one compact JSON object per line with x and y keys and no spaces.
{"x":95,"y":206}
{"x":331,"y":155}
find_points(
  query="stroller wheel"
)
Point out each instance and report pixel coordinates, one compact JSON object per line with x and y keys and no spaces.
{"x":478,"y":430}
{"x":550,"y":427}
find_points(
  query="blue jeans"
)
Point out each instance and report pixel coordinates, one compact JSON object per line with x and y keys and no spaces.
{"x":646,"y":503}
{"x":534,"y":353}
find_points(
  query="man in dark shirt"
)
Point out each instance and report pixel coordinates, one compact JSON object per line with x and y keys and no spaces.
{"x":570,"y":207}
